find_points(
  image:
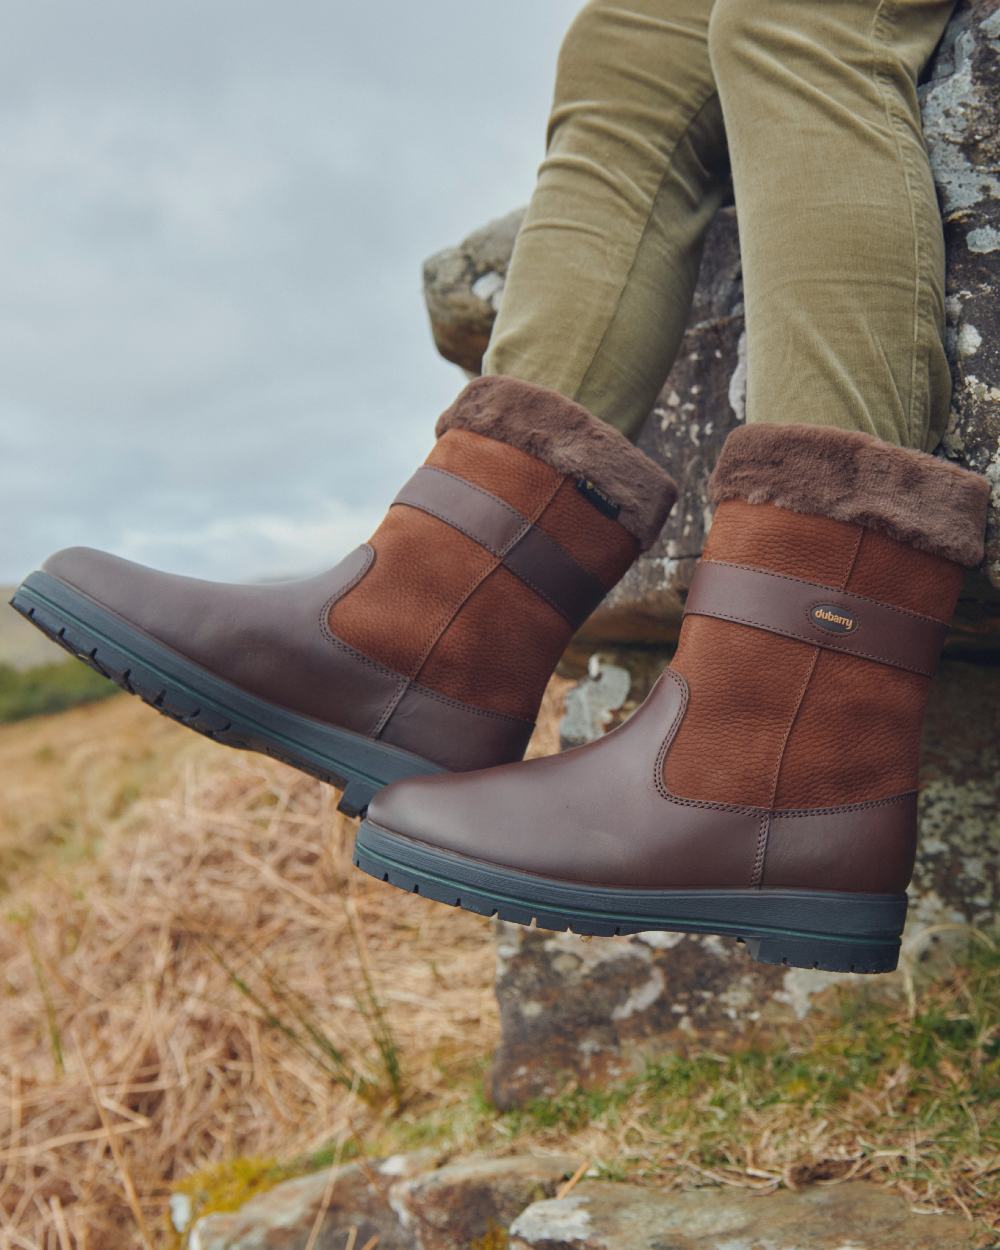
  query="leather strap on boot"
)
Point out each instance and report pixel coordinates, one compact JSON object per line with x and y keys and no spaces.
{"x":817,"y":614}
{"x":524,"y":549}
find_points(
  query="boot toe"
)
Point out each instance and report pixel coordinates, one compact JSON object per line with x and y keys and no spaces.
{"x":84,"y":568}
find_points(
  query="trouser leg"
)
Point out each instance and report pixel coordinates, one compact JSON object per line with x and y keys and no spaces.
{"x":600,"y":283}
{"x":840,"y":232}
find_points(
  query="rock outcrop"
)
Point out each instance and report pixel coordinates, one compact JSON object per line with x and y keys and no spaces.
{"x":599,"y":1216}
{"x":496,"y":1204}
{"x":597,"y":1010}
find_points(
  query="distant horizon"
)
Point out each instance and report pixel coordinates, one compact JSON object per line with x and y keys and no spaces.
{"x":217,"y":358}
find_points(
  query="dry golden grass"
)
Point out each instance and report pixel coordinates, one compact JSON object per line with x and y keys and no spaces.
{"x":186,"y":957}
{"x":190,"y":970}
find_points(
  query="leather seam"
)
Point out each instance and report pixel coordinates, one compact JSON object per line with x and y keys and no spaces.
{"x":468,"y":707}
{"x":349,"y":586}
{"x":828,"y":644}
{"x":473,"y":585}
{"x":543,"y":594}
{"x":835,"y":590}
{"x":422,"y":507}
{"x":779,"y":813}
{"x":757,"y":875}
{"x":776,"y":813}
{"x":407,"y":683}
{"x":430,"y":468}
{"x":807,"y":682}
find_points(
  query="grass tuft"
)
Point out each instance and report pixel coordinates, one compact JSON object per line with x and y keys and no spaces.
{"x":48,"y":688}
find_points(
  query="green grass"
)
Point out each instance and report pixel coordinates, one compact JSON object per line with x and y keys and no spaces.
{"x":904,"y":1093}
{"x":49,"y":688}
{"x":908,"y":1094}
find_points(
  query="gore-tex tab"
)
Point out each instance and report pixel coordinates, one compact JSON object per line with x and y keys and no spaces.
{"x":594,"y":495}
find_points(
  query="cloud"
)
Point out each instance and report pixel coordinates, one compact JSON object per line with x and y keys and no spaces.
{"x":213,"y":221}
{"x":247,"y":547}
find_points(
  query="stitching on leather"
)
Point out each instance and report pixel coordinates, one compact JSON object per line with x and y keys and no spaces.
{"x":468,"y":707}
{"x":430,"y":468}
{"x":658,"y":781}
{"x":804,"y":690}
{"x":575,"y":619}
{"x":400,"y":679}
{"x":785,"y":577}
{"x":479,"y":579}
{"x":772,"y":813}
{"x":339,"y":594}
{"x":358,"y":655}
{"x":780,"y":813}
{"x":830,"y":645}
{"x":757,"y":875}
{"x":441,"y":516}
{"x":776,"y":776}
{"x":542,"y":594}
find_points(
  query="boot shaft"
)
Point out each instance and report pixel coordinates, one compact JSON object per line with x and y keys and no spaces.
{"x":525,"y":514}
{"x":788,"y":722}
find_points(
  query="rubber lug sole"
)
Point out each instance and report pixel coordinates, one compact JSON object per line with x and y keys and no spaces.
{"x":196,"y":698}
{"x":825,"y":930}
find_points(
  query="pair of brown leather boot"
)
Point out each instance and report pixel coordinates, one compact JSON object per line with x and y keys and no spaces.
{"x":766,"y":788}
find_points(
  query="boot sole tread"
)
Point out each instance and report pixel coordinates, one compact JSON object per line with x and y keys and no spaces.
{"x":853,"y":932}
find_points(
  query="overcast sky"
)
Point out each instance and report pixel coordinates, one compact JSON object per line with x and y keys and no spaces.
{"x":214,"y":354}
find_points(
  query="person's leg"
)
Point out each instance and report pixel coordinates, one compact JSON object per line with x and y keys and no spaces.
{"x":600,"y":283}
{"x":767,"y":787}
{"x":840,"y":232}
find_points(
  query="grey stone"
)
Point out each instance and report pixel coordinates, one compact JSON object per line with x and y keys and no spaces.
{"x":961,"y":113}
{"x":595,"y":1010}
{"x":464,"y":1202}
{"x":591,"y":704}
{"x":462,"y":289}
{"x":356,"y":1196}
{"x":602,"y":1216}
{"x":405,"y":1201}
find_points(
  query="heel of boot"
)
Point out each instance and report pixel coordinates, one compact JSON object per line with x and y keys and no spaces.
{"x":826,"y":954}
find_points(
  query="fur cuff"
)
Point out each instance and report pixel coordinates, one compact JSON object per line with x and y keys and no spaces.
{"x":910,"y":496}
{"x":565,"y":436}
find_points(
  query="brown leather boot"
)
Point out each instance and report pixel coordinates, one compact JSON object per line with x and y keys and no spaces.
{"x":766,"y":789}
{"x":428,"y":647}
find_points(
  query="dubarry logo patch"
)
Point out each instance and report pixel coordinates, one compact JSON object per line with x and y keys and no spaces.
{"x":593,"y":494}
{"x":835,"y":620}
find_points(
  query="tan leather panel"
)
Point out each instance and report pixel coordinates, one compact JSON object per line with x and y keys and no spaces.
{"x":512,"y":475}
{"x":744,"y":687}
{"x":506,"y":669}
{"x":918,"y":582}
{"x":769,"y":537}
{"x":597,"y":543}
{"x":856,"y":736}
{"x":746,"y":684}
{"x":422,"y":570}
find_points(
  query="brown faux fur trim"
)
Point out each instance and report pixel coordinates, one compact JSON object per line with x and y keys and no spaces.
{"x":907,"y":495}
{"x":564,"y":435}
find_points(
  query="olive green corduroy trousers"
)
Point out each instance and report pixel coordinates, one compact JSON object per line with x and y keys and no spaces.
{"x":811,"y":107}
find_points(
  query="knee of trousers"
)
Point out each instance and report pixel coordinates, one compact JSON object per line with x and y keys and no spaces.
{"x":602,"y":41}
{"x":737,"y":30}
